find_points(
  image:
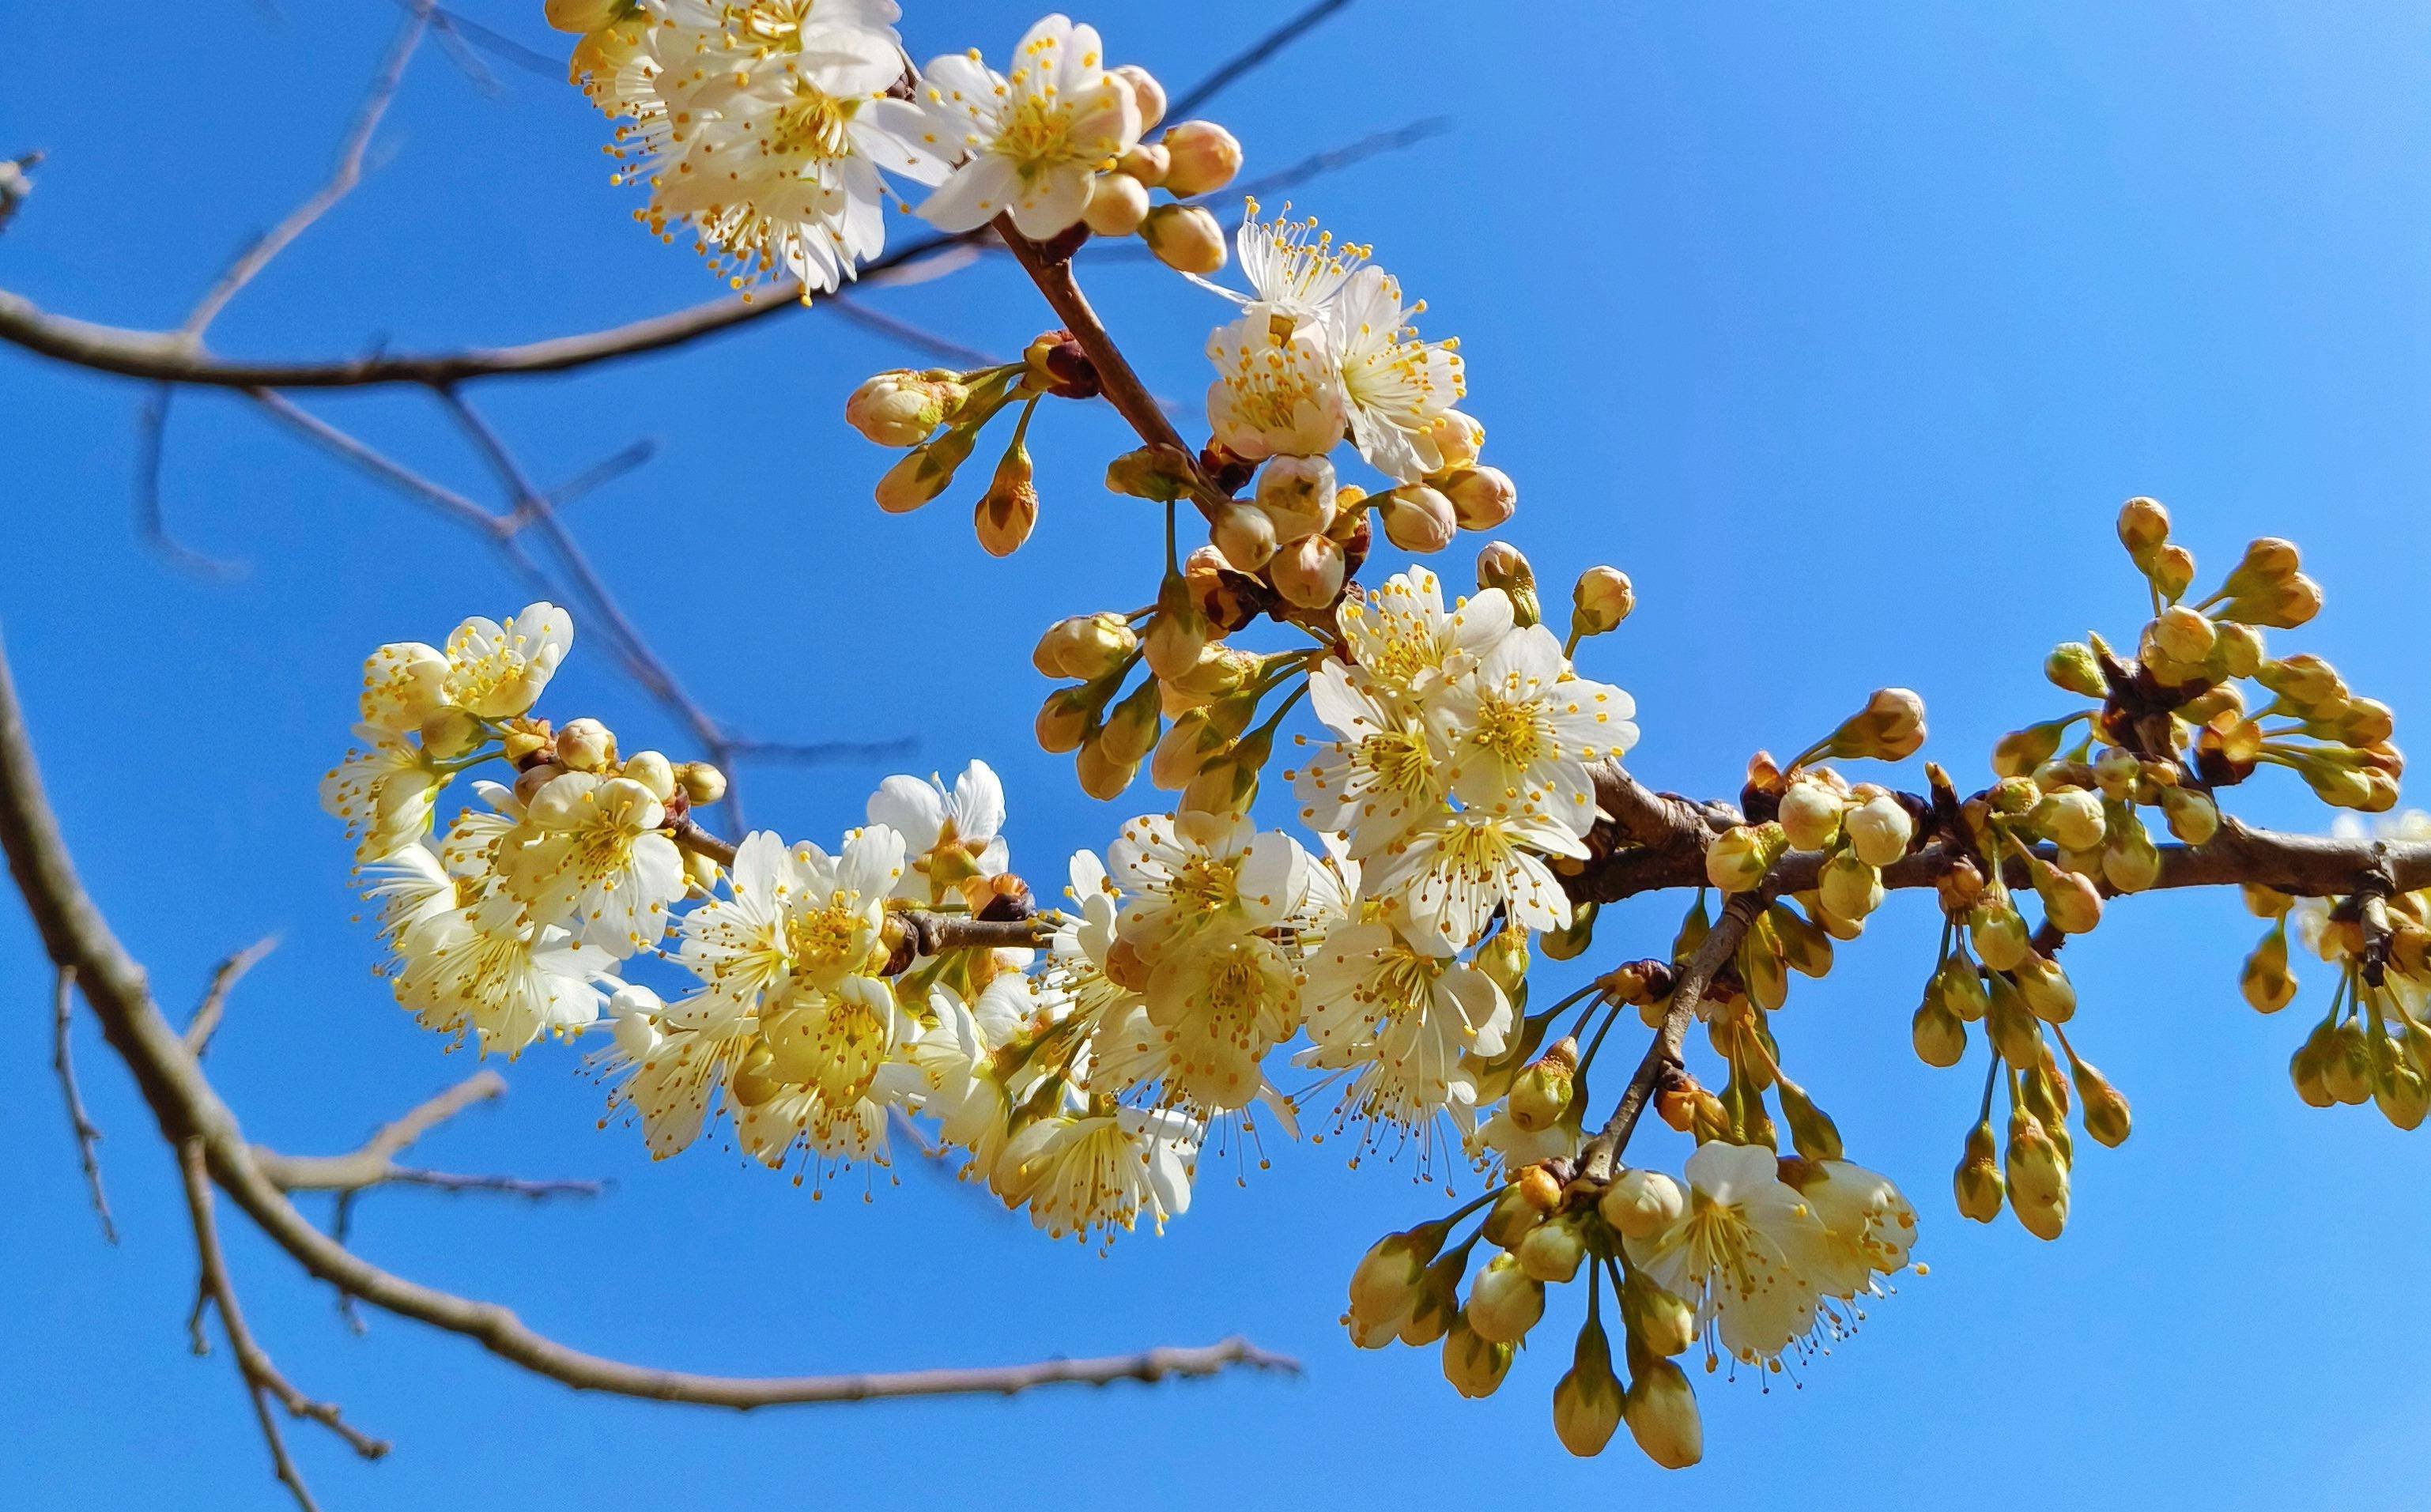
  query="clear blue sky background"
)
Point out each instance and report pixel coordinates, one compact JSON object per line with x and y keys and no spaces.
{"x":1842,"y":330}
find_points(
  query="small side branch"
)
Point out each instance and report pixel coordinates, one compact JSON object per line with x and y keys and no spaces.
{"x":225,"y":976}
{"x":1603,"y":1154}
{"x":375,"y":1163}
{"x":263,"y":1384}
{"x":87,"y":1134}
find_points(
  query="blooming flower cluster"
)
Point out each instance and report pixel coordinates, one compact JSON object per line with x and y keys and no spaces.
{"x":1461,"y":795}
{"x":763,"y":128}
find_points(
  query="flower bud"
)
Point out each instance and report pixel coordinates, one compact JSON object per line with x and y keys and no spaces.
{"x":902,"y":409}
{"x":1418,"y":519}
{"x":1601,"y":600}
{"x":2192,"y":816}
{"x":702,"y":783}
{"x":1117,"y":205}
{"x":1587,"y":1400}
{"x":1204,"y":157}
{"x":1542,"y":1093}
{"x":1389,"y":1276}
{"x":2171,"y":570}
{"x":1500,"y":565}
{"x":924,"y":471}
{"x":1879,"y":830}
{"x":1999,"y":933}
{"x":2073,"y":666}
{"x":1474,"y":1365}
{"x":1103,"y":775}
{"x":1740,"y":856}
{"x":1504,"y":959}
{"x":1504,"y":1301}
{"x":1812,"y":1133}
{"x":583,"y":16}
{"x":2017,"y":1036}
{"x":1481,"y":497}
{"x":2184,"y":636}
{"x":2265,"y":981}
{"x":2072,"y":817}
{"x":1977,"y":1183}
{"x":2044,"y":985}
{"x":1889,"y":728}
{"x":1659,"y":1322}
{"x":1661,"y":1411}
{"x":2038,"y":1181}
{"x":2130,"y":861}
{"x":1065,"y":718}
{"x":1160,"y":473}
{"x":1641,"y":1204}
{"x":1940,"y":1037}
{"x":2144,"y":526}
{"x":1178,"y":635}
{"x":1309,"y":572}
{"x":585,"y":745}
{"x":1146,"y":90}
{"x":1297,"y":494}
{"x":1513,"y":1214}
{"x":2070,"y":901}
{"x":1006,"y":513}
{"x":653,"y":771}
{"x":1848,"y":887}
{"x":2106,"y":1116}
{"x":1552,"y":1250}
{"x":1183,"y":236}
{"x":1961,"y":987}
{"x":1810,"y":814}
{"x":1244,"y":534}
{"x":1086,"y":646}
{"x":1131,"y":729}
{"x":2020,"y":751}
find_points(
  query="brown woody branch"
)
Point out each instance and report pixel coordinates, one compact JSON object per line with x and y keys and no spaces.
{"x":87,"y":1134}
{"x":375,"y":1163}
{"x":263,"y":1382}
{"x":225,"y":977}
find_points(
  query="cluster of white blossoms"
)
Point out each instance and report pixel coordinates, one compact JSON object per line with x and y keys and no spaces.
{"x":765,"y":128}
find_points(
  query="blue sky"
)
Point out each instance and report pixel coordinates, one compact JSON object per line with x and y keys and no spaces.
{"x":1842,"y":330}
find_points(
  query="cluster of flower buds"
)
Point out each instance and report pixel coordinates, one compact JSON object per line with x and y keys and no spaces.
{"x":2372,"y":1045}
{"x":1755,"y":1257}
{"x":1191,"y":159}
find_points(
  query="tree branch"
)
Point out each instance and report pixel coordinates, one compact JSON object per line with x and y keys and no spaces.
{"x":375,"y":1164}
{"x":224,"y":978}
{"x":262,"y":1381}
{"x":87,"y":1134}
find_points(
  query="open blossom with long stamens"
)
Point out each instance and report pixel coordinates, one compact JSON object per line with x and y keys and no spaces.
{"x":500,"y":670}
{"x":1747,"y":1252}
{"x":1401,"y":1018}
{"x":591,"y":856}
{"x":1406,"y":643}
{"x":1450,"y":875}
{"x":1034,"y":139}
{"x":1396,"y":387}
{"x":487,"y":968}
{"x":1101,"y":1171}
{"x":1517,"y":731}
{"x":763,"y":127}
{"x":1277,"y":388}
{"x":1193,"y":874}
{"x":386,"y":793}
{"x":1292,"y":266}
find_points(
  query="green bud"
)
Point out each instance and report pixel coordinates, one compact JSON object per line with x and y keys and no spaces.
{"x":2073,"y":666}
{"x":1587,"y":1400}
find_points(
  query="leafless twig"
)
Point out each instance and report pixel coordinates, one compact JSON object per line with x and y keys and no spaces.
{"x":263,"y":1384}
{"x":87,"y":1134}
{"x":223,"y":977}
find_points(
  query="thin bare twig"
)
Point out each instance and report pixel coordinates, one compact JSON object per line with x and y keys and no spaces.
{"x":263,"y":1384}
{"x":164,"y":355}
{"x":223,"y":977}
{"x":342,"y":178}
{"x":87,"y":1134}
{"x":375,"y":1163}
